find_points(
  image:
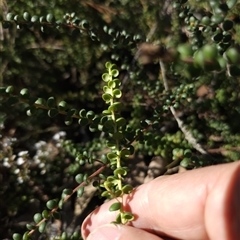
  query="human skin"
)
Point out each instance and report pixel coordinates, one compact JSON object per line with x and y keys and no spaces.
{"x":201,"y":204}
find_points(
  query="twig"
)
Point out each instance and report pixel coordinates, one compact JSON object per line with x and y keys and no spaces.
{"x":97,"y":172}
{"x":188,"y":135}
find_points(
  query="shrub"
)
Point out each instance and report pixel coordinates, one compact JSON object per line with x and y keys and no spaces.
{"x":87,"y":88}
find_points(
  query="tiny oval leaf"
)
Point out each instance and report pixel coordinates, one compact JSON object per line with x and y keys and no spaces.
{"x":115,"y":207}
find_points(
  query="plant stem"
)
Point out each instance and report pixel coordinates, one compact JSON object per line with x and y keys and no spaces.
{"x":188,"y":135}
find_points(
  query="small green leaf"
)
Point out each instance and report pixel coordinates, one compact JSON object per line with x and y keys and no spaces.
{"x":51,"y":103}
{"x":108,"y":65}
{"x":40,"y":101}
{"x":85,"y":177}
{"x":64,"y":236}
{"x":111,"y":178}
{"x":83,"y":121}
{"x":127,"y":189}
{"x":10,"y":17}
{"x":117,"y":82}
{"x":106,"y":194}
{"x":53,"y":112}
{"x":108,"y":185}
{"x":118,"y":219}
{"x":61,"y":202}
{"x":26,"y":236}
{"x":30,"y":226}
{"x":42,"y":19}
{"x":83,"y":113}
{"x":106,"y":77}
{"x":26,"y":16}
{"x":217,"y":37}
{"x":117,"y":93}
{"x":96,"y":119}
{"x":232,"y":55}
{"x":127,"y":217}
{"x":217,"y":18}
{"x":79,"y":178}
{"x":102,"y":176}
{"x":93,"y":127}
{"x":45,"y":214}
{"x":206,"y":20}
{"x":117,"y":136}
{"x":24,"y":93}
{"x":17,"y":236}
{"x":90,"y":115}
{"x":120,"y":171}
{"x":176,"y":105}
{"x":42,"y":227}
{"x":187,"y":153}
{"x":16,"y":18}
{"x":125,"y":153}
{"x":51,"y":204}
{"x":106,"y":89}
{"x":210,"y":52}
{"x":121,"y":122}
{"x":62,"y":106}
{"x":107,"y":97}
{"x":85,"y":24}
{"x":227,"y":25}
{"x":178,"y":152}
{"x":111,"y":85}
{"x":117,"y":106}
{"x":75,"y":236}
{"x":185,"y":51}
{"x":50,"y":18}
{"x":34,"y":19}
{"x":144,"y":123}
{"x":184,"y":163}
{"x":115,"y":207}
{"x":80,"y":191}
{"x":67,"y":191}
{"x":115,"y":72}
{"x":109,"y":124}
{"x":106,"y":112}
{"x":37,"y":217}
{"x":9,"y":89}
{"x":231,"y":3}
{"x":198,"y":60}
{"x":112,"y":156}
{"x":118,"y":193}
{"x":68,"y":120}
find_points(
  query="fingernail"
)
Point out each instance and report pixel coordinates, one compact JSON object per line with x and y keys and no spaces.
{"x":105,"y":232}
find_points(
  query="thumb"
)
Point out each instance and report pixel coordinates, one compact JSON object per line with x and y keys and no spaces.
{"x":120,"y":232}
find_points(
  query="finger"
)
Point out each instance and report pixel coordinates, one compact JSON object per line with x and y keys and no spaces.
{"x":183,"y":206}
{"x":120,"y":232}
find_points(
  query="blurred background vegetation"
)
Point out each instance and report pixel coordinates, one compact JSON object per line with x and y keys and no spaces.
{"x":59,"y":49}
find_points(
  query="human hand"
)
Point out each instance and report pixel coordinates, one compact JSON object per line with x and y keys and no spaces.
{"x":194,"y":205}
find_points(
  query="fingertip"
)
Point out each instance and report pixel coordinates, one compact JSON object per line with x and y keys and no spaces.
{"x":222,"y":211}
{"x":100,"y":216}
{"x":120,"y":232}
{"x":105,"y":232}
{"x":232,"y":210}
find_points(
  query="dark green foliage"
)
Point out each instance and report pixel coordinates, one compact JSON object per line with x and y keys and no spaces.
{"x":92,"y":71}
